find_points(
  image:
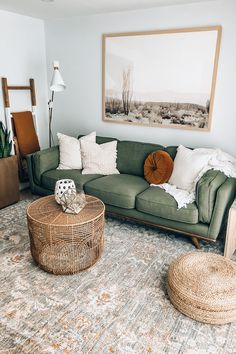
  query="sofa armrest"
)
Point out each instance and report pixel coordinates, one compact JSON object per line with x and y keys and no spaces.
{"x":43,"y":161}
{"x":224,"y":199}
{"x":206,"y":191}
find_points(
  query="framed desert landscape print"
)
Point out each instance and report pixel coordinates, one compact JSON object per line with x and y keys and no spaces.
{"x":161,"y":78}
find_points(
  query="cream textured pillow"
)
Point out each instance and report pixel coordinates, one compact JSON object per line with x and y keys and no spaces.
{"x":70,"y":152}
{"x":99,"y":159}
{"x":187,"y":166}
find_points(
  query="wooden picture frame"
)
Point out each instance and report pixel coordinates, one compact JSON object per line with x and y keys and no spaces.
{"x":177,"y":68}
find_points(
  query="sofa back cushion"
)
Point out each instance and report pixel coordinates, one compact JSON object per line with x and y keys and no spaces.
{"x":172,"y":151}
{"x":132,"y":155}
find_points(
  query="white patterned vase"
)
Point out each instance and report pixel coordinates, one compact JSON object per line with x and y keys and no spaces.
{"x":62,"y":186}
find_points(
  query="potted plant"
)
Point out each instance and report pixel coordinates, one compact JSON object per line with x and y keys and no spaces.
{"x":9,"y":182}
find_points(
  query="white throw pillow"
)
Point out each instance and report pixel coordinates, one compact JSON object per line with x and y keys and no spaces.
{"x":99,"y":159}
{"x":187,"y":166}
{"x":70,"y":152}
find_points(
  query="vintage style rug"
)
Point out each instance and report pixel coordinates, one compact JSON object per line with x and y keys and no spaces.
{"x":118,"y":306}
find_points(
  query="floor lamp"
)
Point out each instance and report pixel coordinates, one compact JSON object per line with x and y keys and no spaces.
{"x":57,"y":85}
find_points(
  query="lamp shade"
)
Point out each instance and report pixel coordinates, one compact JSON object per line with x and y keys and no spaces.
{"x":57,"y":83}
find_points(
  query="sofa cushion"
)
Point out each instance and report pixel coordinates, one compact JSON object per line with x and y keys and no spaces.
{"x":206,"y":192}
{"x":70,"y":150}
{"x":49,"y":178}
{"x":99,"y":158}
{"x":187,"y":166}
{"x":157,"y":202}
{"x":117,"y":190}
{"x":132,"y":155}
{"x":158,"y":167}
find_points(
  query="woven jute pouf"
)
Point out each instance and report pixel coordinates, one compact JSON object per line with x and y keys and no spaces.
{"x":203,"y":286}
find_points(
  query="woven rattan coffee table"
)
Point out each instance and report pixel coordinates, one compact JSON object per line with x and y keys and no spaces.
{"x":64,"y":243}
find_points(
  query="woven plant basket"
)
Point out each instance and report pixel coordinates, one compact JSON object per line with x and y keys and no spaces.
{"x":203,"y":286}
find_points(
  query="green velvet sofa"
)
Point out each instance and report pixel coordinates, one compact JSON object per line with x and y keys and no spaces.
{"x":129,"y":196}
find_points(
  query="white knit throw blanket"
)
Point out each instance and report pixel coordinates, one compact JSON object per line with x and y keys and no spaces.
{"x":220,"y":161}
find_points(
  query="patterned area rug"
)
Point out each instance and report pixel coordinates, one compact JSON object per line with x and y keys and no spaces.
{"x":118,"y":306}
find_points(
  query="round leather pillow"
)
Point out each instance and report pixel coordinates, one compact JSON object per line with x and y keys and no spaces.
{"x":158,"y":167}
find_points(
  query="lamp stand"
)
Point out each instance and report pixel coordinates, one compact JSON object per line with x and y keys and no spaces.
{"x":50,"y":105}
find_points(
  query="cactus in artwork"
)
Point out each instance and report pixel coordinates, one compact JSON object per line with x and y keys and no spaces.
{"x":5,"y":142}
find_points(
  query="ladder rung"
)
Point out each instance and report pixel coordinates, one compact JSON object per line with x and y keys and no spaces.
{"x":19,"y":87}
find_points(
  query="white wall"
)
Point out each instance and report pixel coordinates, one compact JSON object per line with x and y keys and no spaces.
{"x":76,"y":43}
{"x":23,"y":56}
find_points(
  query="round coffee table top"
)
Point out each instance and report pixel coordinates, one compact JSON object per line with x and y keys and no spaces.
{"x":45,"y":210}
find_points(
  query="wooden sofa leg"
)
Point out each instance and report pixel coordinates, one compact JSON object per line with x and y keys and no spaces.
{"x":196,"y":242}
